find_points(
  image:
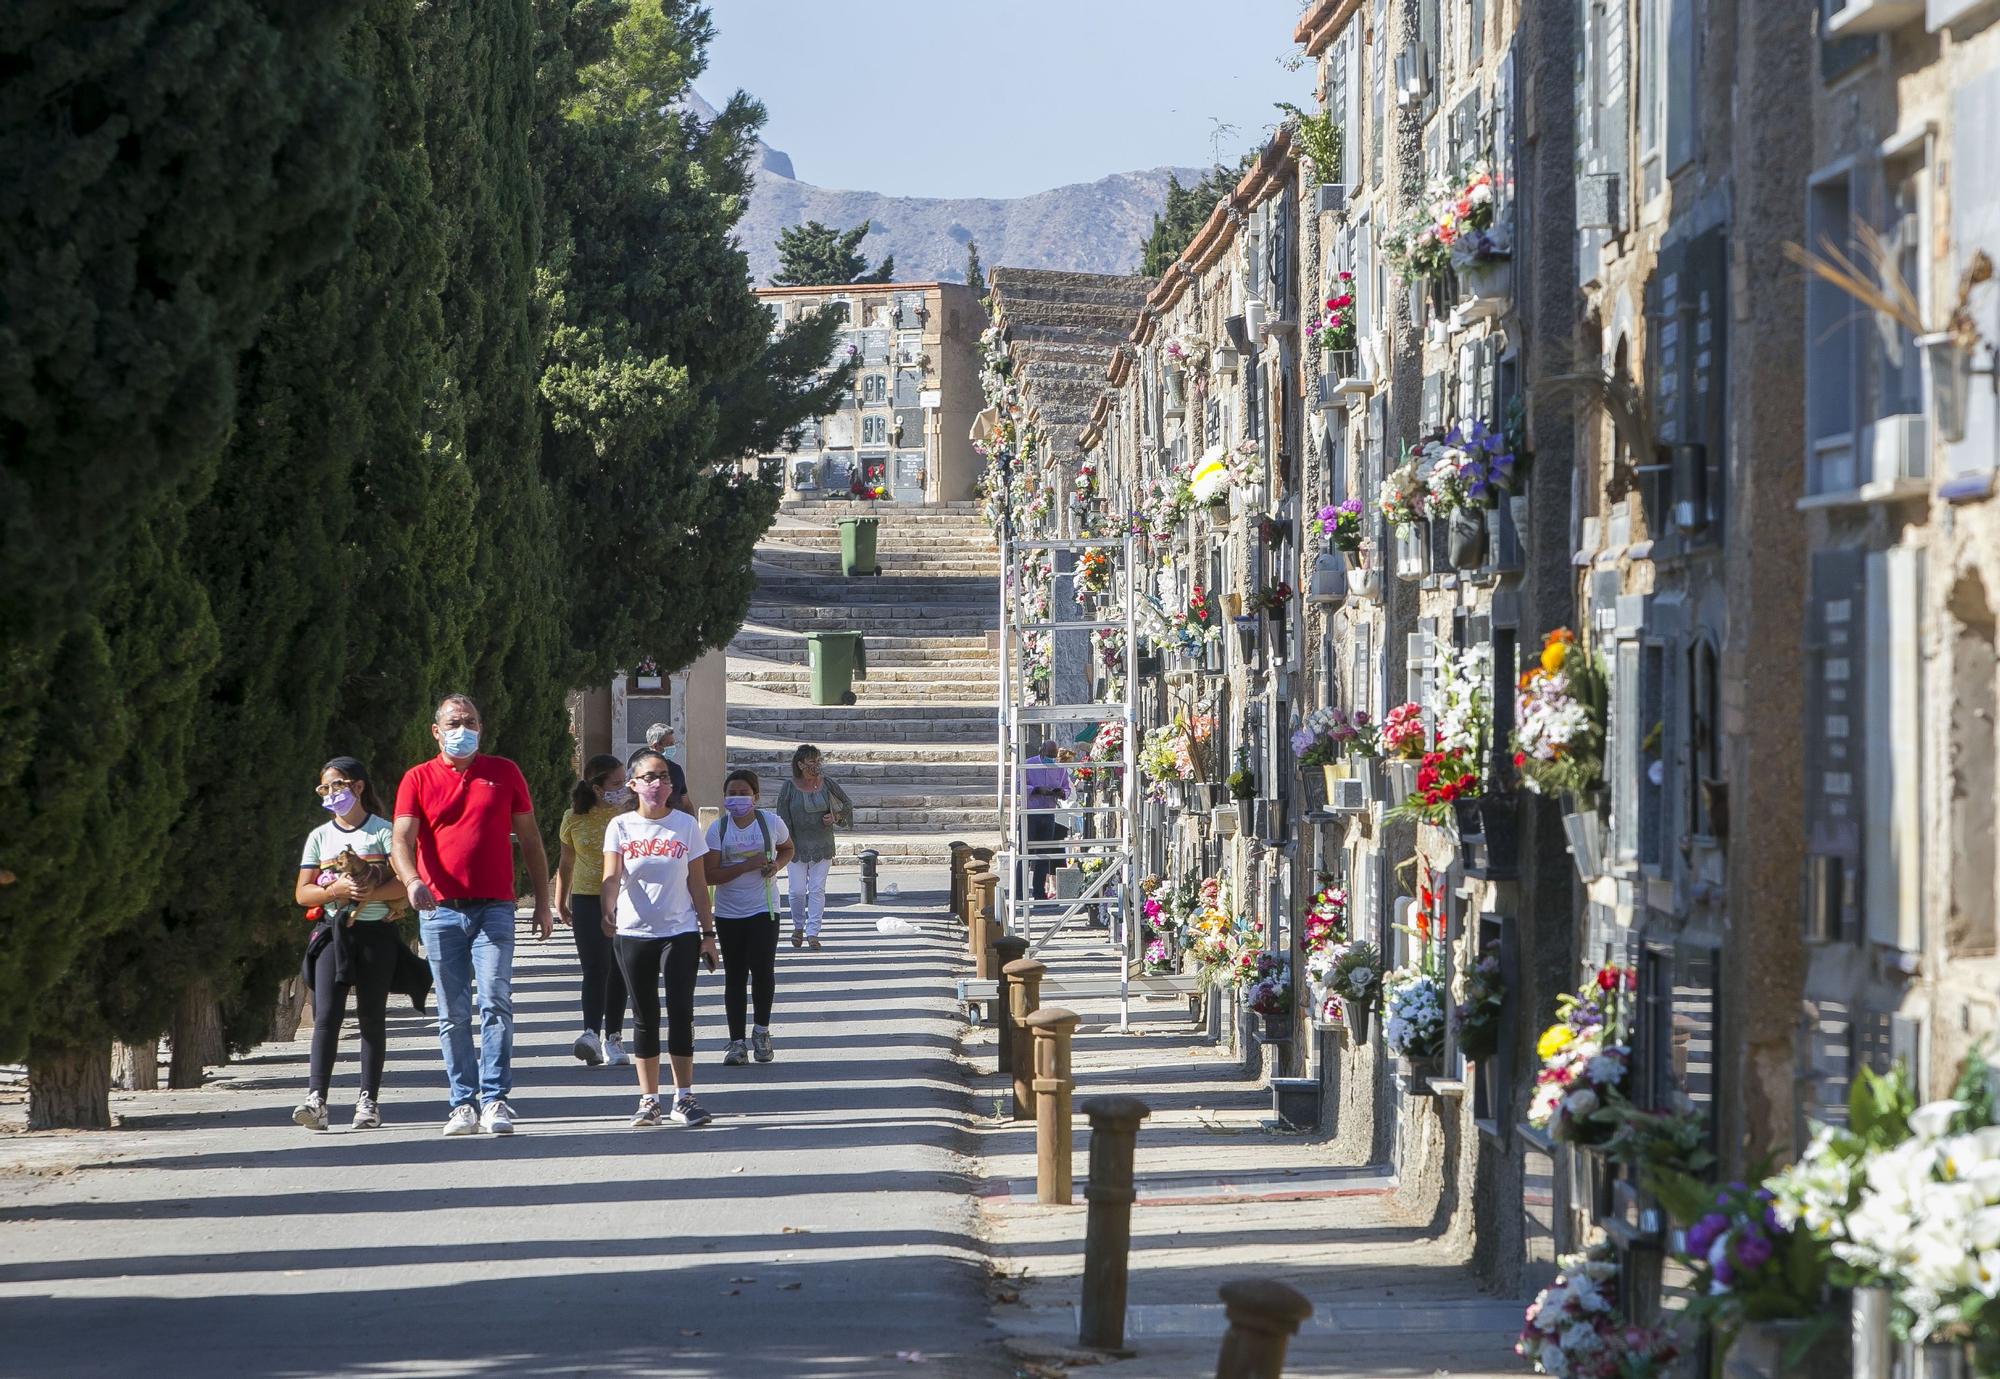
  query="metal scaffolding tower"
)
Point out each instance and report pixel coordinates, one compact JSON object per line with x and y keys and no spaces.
{"x":1108,"y":833}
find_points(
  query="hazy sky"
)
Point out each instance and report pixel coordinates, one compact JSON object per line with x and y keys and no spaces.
{"x":1007,"y":97}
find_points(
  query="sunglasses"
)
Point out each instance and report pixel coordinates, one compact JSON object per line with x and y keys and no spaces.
{"x":324,"y":790}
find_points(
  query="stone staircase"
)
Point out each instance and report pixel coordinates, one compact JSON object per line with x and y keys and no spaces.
{"x":916,"y":750}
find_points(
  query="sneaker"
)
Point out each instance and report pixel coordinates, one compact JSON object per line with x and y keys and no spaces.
{"x":311,"y":1113}
{"x":614,"y":1051}
{"x":798,"y":937}
{"x":366,"y":1115}
{"x":588,"y":1049}
{"x":736,"y":1055}
{"x":648,"y":1112}
{"x":687,"y":1111}
{"x":497,"y":1118}
{"x":463,"y":1120}
{"x":760,"y":1044}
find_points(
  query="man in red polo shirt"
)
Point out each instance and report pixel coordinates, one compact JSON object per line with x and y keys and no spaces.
{"x":457,"y":816}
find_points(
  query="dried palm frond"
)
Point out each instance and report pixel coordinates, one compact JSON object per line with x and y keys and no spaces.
{"x":1869,"y":275}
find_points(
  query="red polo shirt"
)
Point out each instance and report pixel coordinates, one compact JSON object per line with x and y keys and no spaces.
{"x":465,"y":825}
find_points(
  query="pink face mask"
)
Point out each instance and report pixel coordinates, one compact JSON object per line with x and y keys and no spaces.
{"x":650,"y":791}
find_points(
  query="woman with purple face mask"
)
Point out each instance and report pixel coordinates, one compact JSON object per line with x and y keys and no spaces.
{"x":359,"y":946}
{"x":749,"y":847}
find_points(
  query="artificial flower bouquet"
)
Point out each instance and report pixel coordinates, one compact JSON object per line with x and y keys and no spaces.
{"x":1443,"y":779}
{"x":1477,"y":1017}
{"x":1272,"y":599}
{"x":1413,"y":1012}
{"x":1093,"y":571}
{"x":1270,"y":993}
{"x":1330,"y":733}
{"x":1341,"y":524}
{"x":1748,"y":1266}
{"x":1353,"y":973}
{"x":1196,"y":625}
{"x":1404,"y":497}
{"x":1575,"y":1331}
{"x":1672,"y":1139}
{"x":1332,"y":326}
{"x":1585,"y":1061}
{"x":1402,"y":737}
{"x":1559,"y":718}
{"x":1485,"y":461}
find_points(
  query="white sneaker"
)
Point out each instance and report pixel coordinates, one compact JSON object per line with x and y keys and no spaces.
{"x":367,"y":1116}
{"x":311,"y":1113}
{"x":497,"y":1118}
{"x":614,"y":1051}
{"x":463,"y":1120}
{"x":588,"y":1048}
{"x":736,"y":1055}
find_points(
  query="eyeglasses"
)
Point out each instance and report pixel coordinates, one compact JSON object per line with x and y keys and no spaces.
{"x":324,"y":790}
{"x":651,"y":777}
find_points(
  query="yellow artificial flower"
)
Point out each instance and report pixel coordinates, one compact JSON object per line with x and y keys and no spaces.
{"x":1553,"y":1041}
{"x":1553,"y":656}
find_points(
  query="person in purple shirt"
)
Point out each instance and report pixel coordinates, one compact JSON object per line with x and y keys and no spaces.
{"x":1048,"y":787}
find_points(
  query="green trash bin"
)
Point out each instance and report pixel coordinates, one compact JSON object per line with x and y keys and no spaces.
{"x":837,"y":659}
{"x":857,"y":546}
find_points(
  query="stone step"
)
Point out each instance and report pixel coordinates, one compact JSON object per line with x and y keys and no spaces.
{"x":868,"y":817}
{"x":952,"y":621}
{"x":944,"y":561}
{"x":883,"y":653}
{"x":762,"y":750}
{"x":886,"y":591}
{"x":869,"y":507}
{"x":905,"y":682}
{"x":905,"y":846}
{"x":891,"y":783}
{"x":907,"y":716}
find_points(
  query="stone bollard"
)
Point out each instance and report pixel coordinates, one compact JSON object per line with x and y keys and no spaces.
{"x":1052,"y":1027}
{"x":1107,"y":1237}
{"x":1005,"y":949}
{"x":1024,"y":995}
{"x":1264,"y":1315}
{"x":979,"y":933}
{"x":961,"y":853}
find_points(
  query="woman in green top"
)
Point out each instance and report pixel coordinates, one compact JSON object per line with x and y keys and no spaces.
{"x":812,"y":807}
{"x":594,"y":802}
{"x":360,"y":952}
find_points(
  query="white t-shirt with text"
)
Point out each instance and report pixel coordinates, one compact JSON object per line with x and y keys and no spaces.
{"x":748,"y":894}
{"x":653,"y":896}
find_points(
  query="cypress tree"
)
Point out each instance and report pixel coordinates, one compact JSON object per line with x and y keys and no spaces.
{"x":332,"y":390}
{"x":166,"y":169}
{"x":816,"y":255}
{"x":660,"y":371}
{"x":477,"y":65}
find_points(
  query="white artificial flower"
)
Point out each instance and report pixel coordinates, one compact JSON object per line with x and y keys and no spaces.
{"x":1580,"y":1103}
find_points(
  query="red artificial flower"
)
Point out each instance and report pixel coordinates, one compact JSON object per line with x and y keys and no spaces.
{"x":1341,"y":302}
{"x":1520,"y":760}
{"x":1631,"y":980}
{"x":1607,"y":978}
{"x":1346,"y":277}
{"x":1467,"y":781}
{"x":1447,"y":792}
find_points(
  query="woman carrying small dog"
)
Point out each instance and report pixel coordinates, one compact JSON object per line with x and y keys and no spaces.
{"x":656,"y":906}
{"x":361,"y":946}
{"x":747,"y":847}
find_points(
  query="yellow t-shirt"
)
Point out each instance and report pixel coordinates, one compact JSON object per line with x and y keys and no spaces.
{"x":585,"y":835}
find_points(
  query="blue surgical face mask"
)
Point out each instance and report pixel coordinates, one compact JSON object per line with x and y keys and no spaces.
{"x":618,"y":796}
{"x":460,"y":742}
{"x":339,"y":802}
{"x":739,"y":806}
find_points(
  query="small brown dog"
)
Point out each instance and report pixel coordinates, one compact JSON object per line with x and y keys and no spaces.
{"x":365,"y":874}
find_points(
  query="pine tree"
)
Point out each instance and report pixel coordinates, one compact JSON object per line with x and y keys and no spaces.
{"x":1187,"y":209}
{"x":175,"y":166}
{"x":659,"y":371}
{"x":816,"y":255}
{"x":975,"y":276}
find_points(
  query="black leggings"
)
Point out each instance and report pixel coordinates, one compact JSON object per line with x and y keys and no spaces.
{"x":749,"y":959}
{"x":603,"y":983}
{"x":642,"y":960}
{"x":374,"y":944}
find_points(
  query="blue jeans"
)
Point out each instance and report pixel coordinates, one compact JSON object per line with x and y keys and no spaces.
{"x":462,"y":939}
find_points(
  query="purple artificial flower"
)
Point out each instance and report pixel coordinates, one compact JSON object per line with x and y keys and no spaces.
{"x":1701,"y":1235}
{"x":1753,"y":1251}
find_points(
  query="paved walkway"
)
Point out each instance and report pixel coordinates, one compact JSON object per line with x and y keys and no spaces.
{"x":822,"y":1226}
{"x":1222,"y":1196}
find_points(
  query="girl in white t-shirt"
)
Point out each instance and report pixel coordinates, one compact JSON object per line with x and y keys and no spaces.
{"x":656,"y":908}
{"x":747,"y":847}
